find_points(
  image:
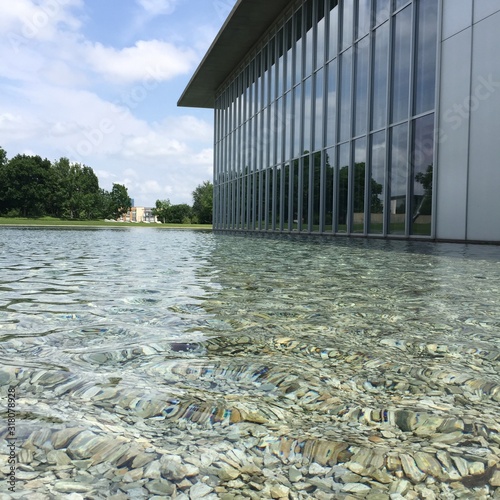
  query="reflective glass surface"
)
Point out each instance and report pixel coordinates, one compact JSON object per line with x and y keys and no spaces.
{"x":377,"y":183}
{"x":318,"y":111}
{"x":425,"y":70}
{"x":329,"y":163}
{"x":401,"y":65}
{"x":361,"y":86}
{"x":359,"y":180}
{"x":347,"y":24}
{"x":342,"y":191}
{"x":299,"y":93}
{"x":379,"y":77}
{"x":399,"y":178}
{"x":345,"y":95}
{"x":422,"y":163}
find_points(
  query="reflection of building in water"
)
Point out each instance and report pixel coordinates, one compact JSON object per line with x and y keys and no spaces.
{"x":356,"y":117}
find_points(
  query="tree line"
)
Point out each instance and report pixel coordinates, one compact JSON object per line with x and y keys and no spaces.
{"x":199,"y":213}
{"x":34,"y":187}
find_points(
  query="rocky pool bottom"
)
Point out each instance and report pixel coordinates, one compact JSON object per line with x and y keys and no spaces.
{"x":234,"y":368}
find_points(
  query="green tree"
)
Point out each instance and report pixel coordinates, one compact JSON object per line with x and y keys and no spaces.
{"x":180,"y":214}
{"x":425,"y":205}
{"x":120,"y":201}
{"x":25,"y":185}
{"x":162,"y":210}
{"x":203,"y":197}
{"x":3,"y":157}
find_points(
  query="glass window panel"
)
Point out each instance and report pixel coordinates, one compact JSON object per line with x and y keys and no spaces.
{"x":347,"y":23}
{"x":398,"y":178}
{"x":279,"y":122}
{"x":308,"y":110}
{"x":320,"y":34}
{"x":265,"y":138}
{"x":359,"y":176}
{"x":286,"y":197}
{"x":243,"y":203}
{"x":363,"y":19}
{"x":280,"y":66}
{"x":288,"y":68}
{"x":316,"y":191}
{"x":422,"y":162}
{"x":377,"y":183}
{"x":425,"y":68}
{"x":333,"y":29}
{"x":272,"y":134}
{"x":265,"y":77}
{"x":328,"y":188}
{"x":309,"y":56}
{"x":298,"y":47}
{"x":382,"y":10}
{"x":331,"y":103}
{"x":399,"y":3}
{"x":306,"y":194}
{"x":273,"y":199}
{"x":278,"y":208}
{"x":361,"y":90}
{"x":318,"y":112}
{"x":401,"y":65}
{"x":288,"y":125}
{"x":272,"y":70}
{"x":380,"y":68}
{"x":343,"y":187}
{"x":297,"y":122}
{"x":345,"y":95}
{"x":294,"y":188}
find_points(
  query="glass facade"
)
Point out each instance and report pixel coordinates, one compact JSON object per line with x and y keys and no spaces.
{"x":328,"y":126}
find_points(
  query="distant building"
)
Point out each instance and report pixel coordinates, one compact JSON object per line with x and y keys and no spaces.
{"x":139,"y":214}
{"x":356,"y":117}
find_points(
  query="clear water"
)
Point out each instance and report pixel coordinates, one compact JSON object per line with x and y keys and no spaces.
{"x":347,"y":341}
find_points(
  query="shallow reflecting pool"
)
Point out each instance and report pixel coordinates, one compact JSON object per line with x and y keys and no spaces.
{"x":180,"y":364}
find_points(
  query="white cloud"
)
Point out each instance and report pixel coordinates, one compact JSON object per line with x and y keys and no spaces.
{"x":147,"y":61}
{"x":158,"y":7}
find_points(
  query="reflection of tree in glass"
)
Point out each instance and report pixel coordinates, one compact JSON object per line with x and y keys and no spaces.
{"x":425,"y":205}
{"x":376,"y":205}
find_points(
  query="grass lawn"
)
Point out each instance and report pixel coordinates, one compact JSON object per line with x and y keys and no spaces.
{"x":53,"y":222}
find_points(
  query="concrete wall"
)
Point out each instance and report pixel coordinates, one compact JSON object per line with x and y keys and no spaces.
{"x":468,"y":148}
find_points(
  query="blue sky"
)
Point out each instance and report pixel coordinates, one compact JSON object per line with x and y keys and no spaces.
{"x":97,"y":81}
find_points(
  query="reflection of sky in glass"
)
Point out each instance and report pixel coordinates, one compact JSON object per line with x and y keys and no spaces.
{"x":363,"y":21}
{"x":422,"y":147}
{"x":399,"y":160}
{"x":378,"y":160}
{"x":380,"y":66}
{"x":361,"y":92}
{"x":347,"y":23}
{"x":401,"y":66}
{"x":382,"y":9}
{"x":425,"y":71}
{"x":345,"y":95}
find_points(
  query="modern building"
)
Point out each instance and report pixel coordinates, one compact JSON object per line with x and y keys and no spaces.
{"x":139,"y":214}
{"x":356,"y":117}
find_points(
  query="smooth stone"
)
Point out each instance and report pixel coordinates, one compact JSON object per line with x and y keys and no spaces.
{"x":152,"y":471}
{"x":279,"y":491}
{"x":294,"y":475}
{"x":495,"y":478}
{"x":199,"y":490}
{"x":160,"y":487}
{"x":355,"y":488}
{"x":58,"y":457}
{"x":70,"y":487}
{"x":476,"y":468}
{"x":316,"y":470}
{"x":61,"y":439}
{"x":228,"y":474}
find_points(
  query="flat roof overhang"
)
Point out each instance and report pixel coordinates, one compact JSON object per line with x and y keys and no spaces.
{"x":247,"y":22}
